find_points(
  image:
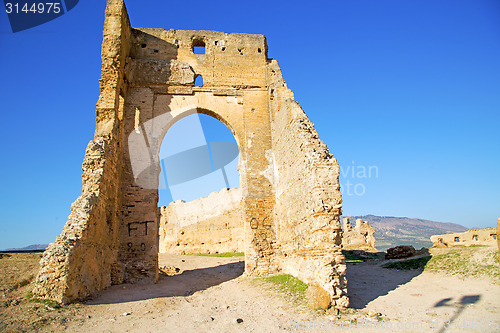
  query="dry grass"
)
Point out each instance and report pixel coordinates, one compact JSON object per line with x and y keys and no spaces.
{"x":19,"y":312}
{"x":466,"y":262}
{"x":18,"y":270}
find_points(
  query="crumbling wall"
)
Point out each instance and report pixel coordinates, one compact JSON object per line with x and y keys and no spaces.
{"x":82,"y":259}
{"x":359,"y":237}
{"x":308,"y":200}
{"x":487,"y":236}
{"x":291,"y":199}
{"x":498,"y":237}
{"x":212,"y":224}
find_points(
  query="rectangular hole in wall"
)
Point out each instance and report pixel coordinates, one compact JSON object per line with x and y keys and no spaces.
{"x":198,"y":46}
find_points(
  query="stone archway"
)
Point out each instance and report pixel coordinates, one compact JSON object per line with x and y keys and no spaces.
{"x":291,"y":196}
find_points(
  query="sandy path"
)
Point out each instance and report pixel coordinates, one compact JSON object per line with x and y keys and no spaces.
{"x":211,"y":294}
{"x":425,"y":301}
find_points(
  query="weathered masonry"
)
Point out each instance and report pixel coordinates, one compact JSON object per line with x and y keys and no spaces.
{"x":212,"y":224}
{"x":486,"y":236}
{"x":291,"y":199}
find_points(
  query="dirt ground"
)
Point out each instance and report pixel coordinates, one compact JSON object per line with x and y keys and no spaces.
{"x":209,"y":294}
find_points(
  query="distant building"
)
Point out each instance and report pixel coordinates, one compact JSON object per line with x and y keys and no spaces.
{"x":487,"y":236}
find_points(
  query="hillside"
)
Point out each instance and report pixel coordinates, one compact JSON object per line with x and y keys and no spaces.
{"x":29,"y":248}
{"x":392,"y":231}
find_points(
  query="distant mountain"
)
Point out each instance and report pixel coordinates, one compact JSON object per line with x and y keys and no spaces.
{"x":29,"y":248}
{"x":392,"y":231}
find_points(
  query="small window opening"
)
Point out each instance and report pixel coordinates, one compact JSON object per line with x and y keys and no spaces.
{"x":475,"y":238}
{"x":216,"y":42}
{"x":143,"y":46}
{"x":198,"y":81}
{"x":223,"y":48}
{"x":156,"y":50}
{"x":198,"y":46}
{"x":259,"y":50}
{"x":457,"y":239}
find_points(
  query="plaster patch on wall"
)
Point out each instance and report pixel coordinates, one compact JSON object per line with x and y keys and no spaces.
{"x":269,"y":173}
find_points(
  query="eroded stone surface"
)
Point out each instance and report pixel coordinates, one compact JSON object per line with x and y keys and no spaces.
{"x":359,"y":237}
{"x":291,"y":201}
{"x":486,"y":236}
{"x":213,"y":224}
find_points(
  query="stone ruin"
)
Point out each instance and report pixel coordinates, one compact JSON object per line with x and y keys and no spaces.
{"x":291,"y":201}
{"x":486,"y":236}
{"x":213,"y":224}
{"x":498,"y":237}
{"x":359,"y":237}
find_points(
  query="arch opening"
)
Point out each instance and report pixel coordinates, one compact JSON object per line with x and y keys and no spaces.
{"x":198,"y":156}
{"x":198,"y":81}
{"x":199,"y":206}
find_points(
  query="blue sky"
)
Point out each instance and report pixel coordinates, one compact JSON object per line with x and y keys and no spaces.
{"x":204,"y":132}
{"x":410,"y":88}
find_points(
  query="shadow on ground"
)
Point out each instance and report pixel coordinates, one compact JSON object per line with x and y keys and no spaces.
{"x":367,"y":281}
{"x":184,"y":284}
{"x":459,"y":308}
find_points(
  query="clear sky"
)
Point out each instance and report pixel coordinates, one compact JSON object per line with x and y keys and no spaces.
{"x":409,"y":88}
{"x":204,"y":132}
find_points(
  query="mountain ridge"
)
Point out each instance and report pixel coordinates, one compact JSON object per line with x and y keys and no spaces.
{"x":29,"y":248}
{"x":391,"y":231}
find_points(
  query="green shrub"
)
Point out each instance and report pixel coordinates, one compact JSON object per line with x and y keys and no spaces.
{"x":48,"y":302}
{"x":288,"y":285}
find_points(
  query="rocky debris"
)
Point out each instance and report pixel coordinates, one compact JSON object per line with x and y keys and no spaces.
{"x":205,"y":319}
{"x":422,"y":251}
{"x":317,"y":298}
{"x":170,"y":270}
{"x":373,"y":313}
{"x":398,"y":252}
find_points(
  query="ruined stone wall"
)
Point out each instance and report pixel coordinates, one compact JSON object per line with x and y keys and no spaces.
{"x":359,"y":237}
{"x":163,"y":67}
{"x":308,"y":201}
{"x":498,"y":235}
{"x":487,"y":236}
{"x":212,"y":224}
{"x":82,"y":259}
{"x":291,"y":199}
